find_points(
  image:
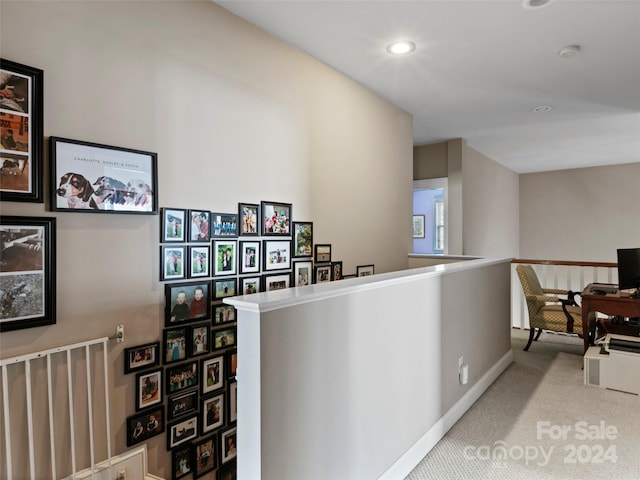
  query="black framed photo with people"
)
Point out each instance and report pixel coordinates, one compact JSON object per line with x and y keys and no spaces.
{"x":186,"y":302}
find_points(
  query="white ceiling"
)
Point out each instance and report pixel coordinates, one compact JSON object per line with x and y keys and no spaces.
{"x":480,"y":66}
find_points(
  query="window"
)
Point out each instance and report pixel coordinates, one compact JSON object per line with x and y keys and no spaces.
{"x":430,"y":200}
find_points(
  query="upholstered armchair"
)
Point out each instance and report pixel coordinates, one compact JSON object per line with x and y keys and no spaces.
{"x":547,"y":311}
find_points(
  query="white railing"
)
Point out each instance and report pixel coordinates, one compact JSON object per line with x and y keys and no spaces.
{"x":557,"y":274}
{"x":45,"y":442}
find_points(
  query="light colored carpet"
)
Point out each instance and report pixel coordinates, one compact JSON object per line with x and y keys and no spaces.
{"x":542,"y":388}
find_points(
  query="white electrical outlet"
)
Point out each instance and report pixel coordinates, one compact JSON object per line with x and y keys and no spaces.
{"x":460,"y":363}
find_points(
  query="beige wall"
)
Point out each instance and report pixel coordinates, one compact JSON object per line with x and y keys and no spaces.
{"x":234,"y":115}
{"x":581,"y":214}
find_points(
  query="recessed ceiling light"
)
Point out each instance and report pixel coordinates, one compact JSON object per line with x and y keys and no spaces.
{"x":541,"y":108}
{"x":530,"y":4}
{"x":569,"y":51}
{"x":401,"y":48}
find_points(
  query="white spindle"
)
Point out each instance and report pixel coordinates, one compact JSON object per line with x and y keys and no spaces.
{"x":106,"y":403}
{"x":72,"y":427}
{"x":90,"y":410}
{"x":52,"y":437}
{"x":7,"y":423}
{"x":27,"y":373}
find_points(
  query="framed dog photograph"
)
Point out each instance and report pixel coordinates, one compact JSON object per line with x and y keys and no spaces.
{"x":95,"y":178}
{"x":182,"y":377}
{"x":302,"y":239}
{"x":223,"y":224}
{"x":21,"y":159}
{"x":276,"y":282}
{"x":181,"y":462}
{"x":322,"y":253}
{"x":199,"y":334}
{"x":205,"y":457}
{"x":223,"y":313}
{"x":249,"y":257}
{"x":276,"y":254}
{"x":224,"y":338}
{"x":302,"y":273}
{"x":228,"y":445}
{"x":248,"y":218}
{"x":225,"y":288}
{"x":199,"y":261}
{"x":148,"y":389}
{"x":175,"y":344}
{"x":186,"y":302}
{"x":144,"y":425}
{"x":27,"y":272}
{"x":182,"y":431}
{"x":173,"y":225}
{"x":276,"y":218}
{"x":182,"y":404}
{"x":199,"y":226}
{"x":141,"y":357}
{"x":212,"y":374}
{"x":172,"y":262}
{"x":212,"y":413}
{"x":250,"y":285}
{"x":225,"y":257}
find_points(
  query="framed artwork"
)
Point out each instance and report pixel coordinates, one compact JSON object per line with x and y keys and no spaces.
{"x":228,"y":472}
{"x":418,"y":226}
{"x":232,"y":362}
{"x":276,"y":282}
{"x":95,"y":178}
{"x":228,"y":445}
{"x":20,"y":132}
{"x":148,"y":389}
{"x":199,"y":226}
{"x":199,"y":261}
{"x":249,"y":257}
{"x":277,"y":255}
{"x":200,"y":339}
{"x":248,"y":218}
{"x":224,"y":257}
{"x":364,"y":270}
{"x":232,"y":401}
{"x":182,"y":404}
{"x":172,"y":262}
{"x":173,"y":223}
{"x":182,"y":377}
{"x":223,"y":224}
{"x":141,"y":357}
{"x":336,"y":271}
{"x":250,"y":285}
{"x":144,"y":425}
{"x":302,"y":239}
{"x":225,"y":288}
{"x":186,"y":302}
{"x":212,"y":374}
{"x":322,"y":253}
{"x":224,"y":313}
{"x":182,"y":431}
{"x":181,"y":462}
{"x":276,"y":218}
{"x":321,"y":273}
{"x":205,"y":457}
{"x":27,"y":272}
{"x":175,"y":344}
{"x":302,"y":273}
{"x":224,"y":338}
{"x":212,"y":412}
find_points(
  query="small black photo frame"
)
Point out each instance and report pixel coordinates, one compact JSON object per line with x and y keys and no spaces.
{"x":27,"y":272}
{"x":173,"y":262}
{"x":21,"y":133}
{"x":212,"y":374}
{"x":224,"y":338}
{"x":200,"y":339}
{"x":224,"y":257}
{"x":212,"y":412}
{"x":199,"y":226}
{"x":336,"y":270}
{"x":278,"y":281}
{"x":365,"y":270}
{"x":228,"y":445}
{"x":250,"y":285}
{"x":205,"y":455}
{"x":225,"y":287}
{"x":199,"y":261}
{"x":322,"y":253}
{"x":181,"y":462}
{"x":276,"y":218}
{"x":187,"y":302}
{"x":173,"y":225}
{"x":232,"y":402}
{"x":182,"y":404}
{"x":94,"y":178}
{"x":302,"y":239}
{"x":141,"y":357}
{"x":322,"y":273}
{"x":223,"y":313}
{"x":248,"y":219}
{"x":223,"y":224}
{"x":181,"y":377}
{"x":148,"y":389}
{"x":175,"y":343}
{"x":276,"y":255}
{"x":232,"y":362}
{"x":302,"y":273}
{"x":144,"y":425}
{"x":182,"y":431}
{"x":249,"y":255}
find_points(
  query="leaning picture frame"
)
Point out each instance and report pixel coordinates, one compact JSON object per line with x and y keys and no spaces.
{"x":302,"y":239}
{"x":336,"y":270}
{"x":276,"y":218}
{"x":322,"y":273}
{"x":365,"y":270}
{"x":276,"y":255}
{"x":141,"y":357}
{"x":95,"y":178}
{"x":322,"y":253}
{"x":27,"y":272}
{"x":21,"y":133}
{"x":173,"y":225}
{"x":302,"y":273}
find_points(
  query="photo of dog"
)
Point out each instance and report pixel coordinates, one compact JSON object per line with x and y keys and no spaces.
{"x":77,"y":190}
{"x":110,"y":191}
{"x":139,"y":192}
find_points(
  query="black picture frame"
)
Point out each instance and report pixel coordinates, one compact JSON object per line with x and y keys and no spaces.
{"x":365,"y":270}
{"x":199,"y":261}
{"x":89,"y":177}
{"x":213,"y":374}
{"x":336,"y":270}
{"x":276,"y":219}
{"x":205,"y":455}
{"x":276,"y":281}
{"x":250,"y":285}
{"x":28,"y":272}
{"x":302,"y":273}
{"x":248,"y":219}
{"x":223,"y":225}
{"x":227,"y":472}
{"x":322,"y":253}
{"x":231,"y":362}
{"x":182,"y":404}
{"x":175,"y":343}
{"x":232,"y":402}
{"x":148,"y":389}
{"x":21,"y":159}
{"x":225,"y":287}
{"x":173,"y":262}
{"x":173,"y":227}
{"x":181,"y":462}
{"x":212,"y":412}
{"x":152,"y":423}
{"x":249,"y":256}
{"x":197,"y":298}
{"x":227,"y":445}
{"x":181,"y":377}
{"x":182,"y":431}
{"x":200,"y":339}
{"x":141,"y":357}
{"x":224,"y":257}
{"x":223,"y":338}
{"x":198,"y":226}
{"x":223,"y":313}
{"x":302,"y":239}
{"x":276,"y":255}
{"x":322,"y":273}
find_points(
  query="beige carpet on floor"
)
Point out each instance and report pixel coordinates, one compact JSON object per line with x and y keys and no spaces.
{"x":539,"y":421}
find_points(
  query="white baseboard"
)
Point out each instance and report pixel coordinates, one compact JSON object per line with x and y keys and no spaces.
{"x":407,"y":462}
{"x":132,"y":463}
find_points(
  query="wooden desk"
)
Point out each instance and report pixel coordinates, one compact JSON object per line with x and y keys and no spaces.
{"x":609,"y":304}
